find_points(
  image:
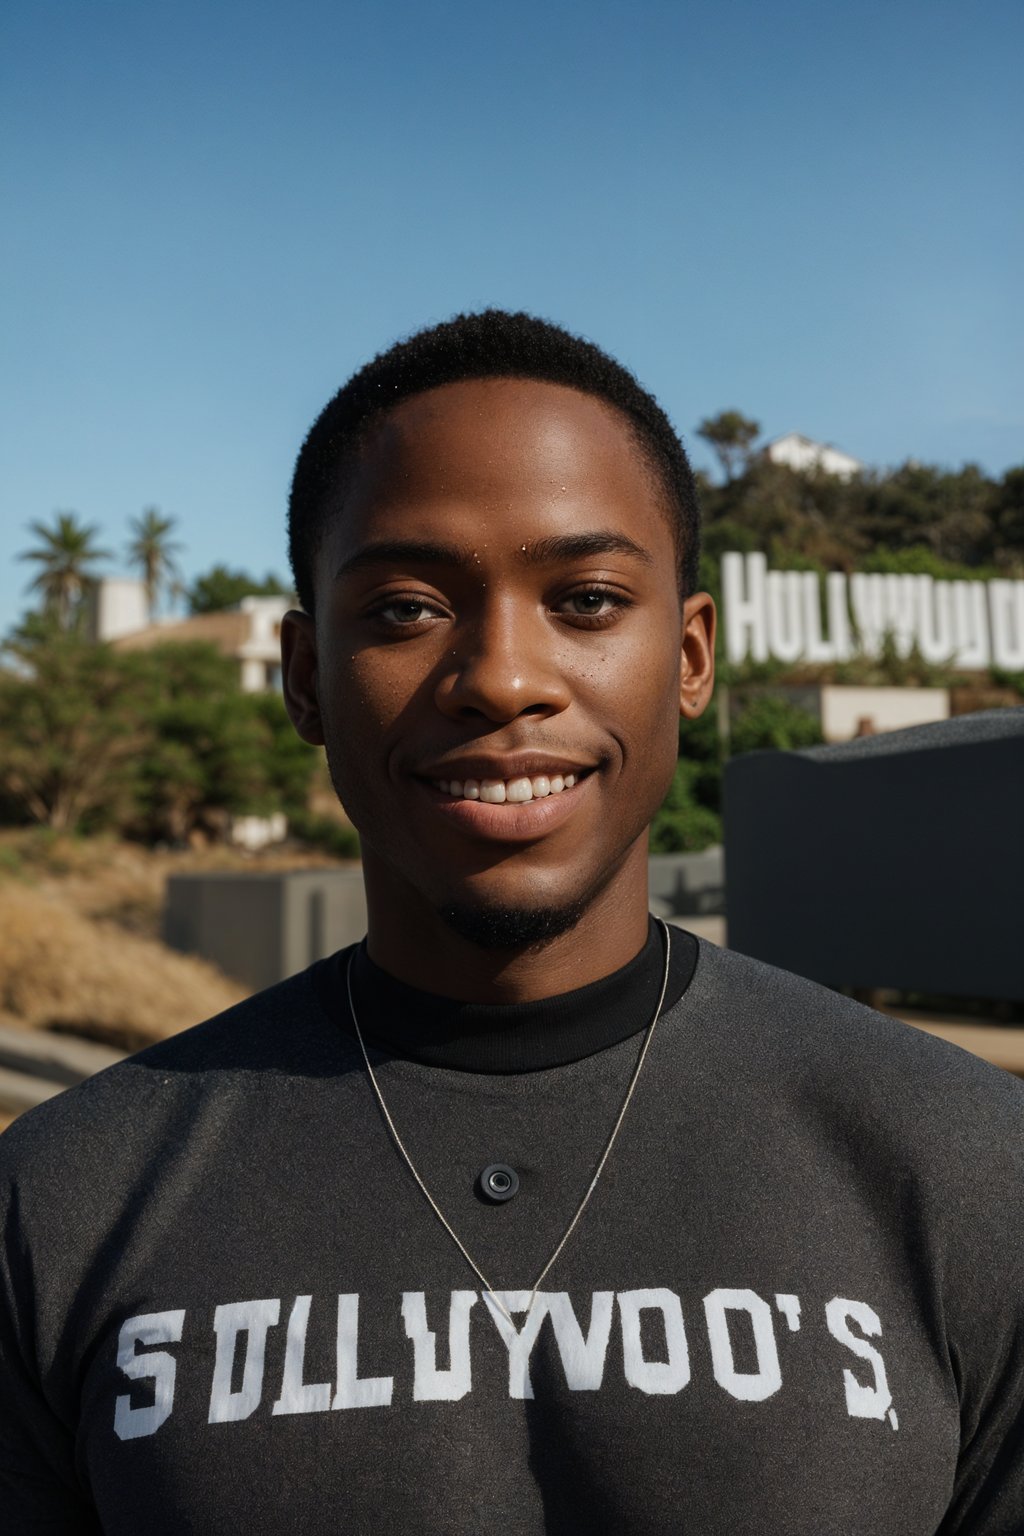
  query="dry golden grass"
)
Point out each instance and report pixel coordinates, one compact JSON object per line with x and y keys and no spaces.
{"x":103,"y":877}
{"x":79,"y":935}
{"x":89,"y":976}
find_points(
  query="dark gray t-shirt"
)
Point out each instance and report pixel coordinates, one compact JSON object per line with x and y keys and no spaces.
{"x":795,"y":1303}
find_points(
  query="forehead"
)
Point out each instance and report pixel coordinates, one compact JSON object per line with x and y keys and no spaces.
{"x":503,"y":450}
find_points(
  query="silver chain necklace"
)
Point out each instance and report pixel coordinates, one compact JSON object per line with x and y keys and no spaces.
{"x":570,"y":1229}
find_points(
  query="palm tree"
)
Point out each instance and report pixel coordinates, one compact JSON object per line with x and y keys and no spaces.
{"x":152,"y":551}
{"x":65,"y":554}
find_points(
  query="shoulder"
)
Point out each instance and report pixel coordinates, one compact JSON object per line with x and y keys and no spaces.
{"x":284,"y":1030}
{"x":854,"y":1071}
{"x":801,"y":1025}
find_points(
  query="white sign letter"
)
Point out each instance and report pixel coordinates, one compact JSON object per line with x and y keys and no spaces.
{"x":785,"y":615}
{"x":1006,"y":608}
{"x":816,"y":647}
{"x":839,"y":615}
{"x":746,"y":630}
{"x":935,"y":637}
{"x":868,"y":596}
{"x":971,"y":621}
{"x":901,"y":611}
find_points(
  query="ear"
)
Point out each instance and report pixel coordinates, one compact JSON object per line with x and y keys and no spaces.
{"x":697,"y":655}
{"x":298,"y":672}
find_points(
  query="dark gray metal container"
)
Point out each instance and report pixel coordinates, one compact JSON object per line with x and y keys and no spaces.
{"x":890,"y":861}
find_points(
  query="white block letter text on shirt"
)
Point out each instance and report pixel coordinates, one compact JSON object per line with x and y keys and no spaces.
{"x":159,"y":1367}
{"x":862,"y":1402}
{"x":431,"y":1385}
{"x":298,"y":1396}
{"x":355,"y":1391}
{"x":254,"y":1319}
{"x":654,"y":1377}
{"x":748,"y":1386}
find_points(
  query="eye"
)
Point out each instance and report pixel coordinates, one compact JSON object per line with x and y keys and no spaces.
{"x":594,"y":603}
{"x":404,"y":613}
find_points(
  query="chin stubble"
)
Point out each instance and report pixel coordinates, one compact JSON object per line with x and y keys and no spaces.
{"x":498,"y":927}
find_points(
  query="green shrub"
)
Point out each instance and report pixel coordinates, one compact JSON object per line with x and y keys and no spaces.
{"x":768,"y":723}
{"x":334,"y":837}
{"x":683,"y":825}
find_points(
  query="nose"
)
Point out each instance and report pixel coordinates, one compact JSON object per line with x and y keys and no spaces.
{"x":503,"y":665}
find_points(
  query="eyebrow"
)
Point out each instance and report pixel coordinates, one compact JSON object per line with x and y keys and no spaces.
{"x":556,"y":547}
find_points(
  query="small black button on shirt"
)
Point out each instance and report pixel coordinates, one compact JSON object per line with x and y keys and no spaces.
{"x":795,"y":1302}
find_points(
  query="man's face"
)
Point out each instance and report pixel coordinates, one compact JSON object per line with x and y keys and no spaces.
{"x":498,"y":615}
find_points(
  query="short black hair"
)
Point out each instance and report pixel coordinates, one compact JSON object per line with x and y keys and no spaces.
{"x":494,"y":344}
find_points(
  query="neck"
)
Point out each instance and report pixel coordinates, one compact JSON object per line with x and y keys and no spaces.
{"x":409,"y":939}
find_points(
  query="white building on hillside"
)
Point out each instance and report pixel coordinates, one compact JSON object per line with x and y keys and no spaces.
{"x":250,"y":632}
{"x":803,"y":453}
{"x":115,"y":606}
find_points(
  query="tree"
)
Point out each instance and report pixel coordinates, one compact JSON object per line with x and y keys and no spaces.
{"x":213,"y":751}
{"x":70,"y":732}
{"x":153,"y":743}
{"x":152,"y":551}
{"x":731,"y":435}
{"x":65,"y":555}
{"x":222,"y":588}
{"x":1008,"y":512}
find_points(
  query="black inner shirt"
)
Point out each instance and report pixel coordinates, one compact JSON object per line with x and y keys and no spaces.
{"x":507,"y":1037}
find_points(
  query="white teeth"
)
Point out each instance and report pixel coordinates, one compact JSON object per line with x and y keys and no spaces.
{"x":512,"y":791}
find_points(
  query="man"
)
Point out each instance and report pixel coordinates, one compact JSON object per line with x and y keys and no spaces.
{"x":525,"y":1215}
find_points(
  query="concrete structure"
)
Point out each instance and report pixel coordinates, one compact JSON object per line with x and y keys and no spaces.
{"x":250,"y":633}
{"x":262,"y":927}
{"x":890,"y":862}
{"x":846,"y":711}
{"x":687,"y":884}
{"x":803,"y":453}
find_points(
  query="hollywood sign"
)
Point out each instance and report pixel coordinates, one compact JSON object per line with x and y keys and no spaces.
{"x":787,"y":616}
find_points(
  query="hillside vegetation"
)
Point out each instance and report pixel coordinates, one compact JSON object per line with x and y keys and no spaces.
{"x":79,"y":938}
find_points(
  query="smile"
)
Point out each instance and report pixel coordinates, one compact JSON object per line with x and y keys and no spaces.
{"x":513,"y":810}
{"x":517,"y":791}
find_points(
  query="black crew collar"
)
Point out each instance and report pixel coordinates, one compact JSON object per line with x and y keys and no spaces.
{"x":507,"y":1037}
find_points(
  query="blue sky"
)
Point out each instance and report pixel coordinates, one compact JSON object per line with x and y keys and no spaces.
{"x":215,"y":212}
